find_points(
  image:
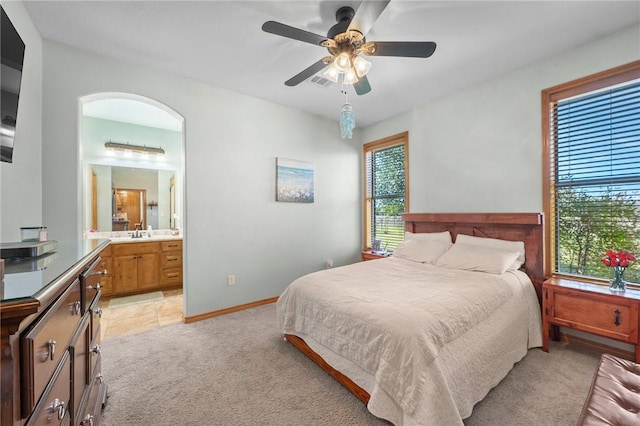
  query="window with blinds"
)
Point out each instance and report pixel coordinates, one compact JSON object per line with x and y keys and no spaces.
{"x":594,"y":174}
{"x":386,"y":189}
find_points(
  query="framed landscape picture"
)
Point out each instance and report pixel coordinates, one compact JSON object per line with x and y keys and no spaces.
{"x":294,"y":181}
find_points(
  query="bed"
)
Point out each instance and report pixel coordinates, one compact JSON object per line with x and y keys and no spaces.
{"x":422,"y":341}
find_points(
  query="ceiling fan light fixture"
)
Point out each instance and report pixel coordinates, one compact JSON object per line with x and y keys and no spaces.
{"x":350,"y":76}
{"x":361,"y":65}
{"x":332,"y":73}
{"x":343,"y":62}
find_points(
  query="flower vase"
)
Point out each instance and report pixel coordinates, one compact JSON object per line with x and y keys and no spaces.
{"x":617,"y":283}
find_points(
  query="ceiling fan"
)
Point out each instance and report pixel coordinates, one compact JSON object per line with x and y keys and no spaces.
{"x":346,"y":41}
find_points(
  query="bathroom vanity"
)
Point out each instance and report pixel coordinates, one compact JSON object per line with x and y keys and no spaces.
{"x":140,"y":265}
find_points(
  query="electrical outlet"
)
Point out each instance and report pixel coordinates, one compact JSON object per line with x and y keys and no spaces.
{"x":231,"y":280}
{"x":328,"y":264}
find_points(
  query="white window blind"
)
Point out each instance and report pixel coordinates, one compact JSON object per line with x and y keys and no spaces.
{"x":595,"y":179}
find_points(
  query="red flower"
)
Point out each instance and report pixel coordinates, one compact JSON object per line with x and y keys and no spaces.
{"x":620,"y":258}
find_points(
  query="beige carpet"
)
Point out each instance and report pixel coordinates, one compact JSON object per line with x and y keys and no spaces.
{"x":136,"y":298}
{"x":237,"y":370}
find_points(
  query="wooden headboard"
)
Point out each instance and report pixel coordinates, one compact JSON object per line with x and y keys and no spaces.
{"x":527,"y":227}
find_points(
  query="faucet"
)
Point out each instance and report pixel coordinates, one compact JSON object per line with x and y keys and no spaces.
{"x":138,"y":231}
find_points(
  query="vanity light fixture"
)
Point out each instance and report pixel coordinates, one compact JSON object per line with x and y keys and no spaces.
{"x":128,"y":148}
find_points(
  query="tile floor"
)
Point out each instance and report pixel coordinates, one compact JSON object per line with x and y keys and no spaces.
{"x":140,"y":316}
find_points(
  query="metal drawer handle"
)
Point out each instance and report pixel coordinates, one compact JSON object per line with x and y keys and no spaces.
{"x":59,"y":407}
{"x":100,"y":377}
{"x":103,"y":272}
{"x":617,"y":318}
{"x":87,"y":420}
{"x":75,"y":308}
{"x":51,"y":349}
{"x":97,"y":287}
{"x":98,"y":312}
{"x":96,"y":349}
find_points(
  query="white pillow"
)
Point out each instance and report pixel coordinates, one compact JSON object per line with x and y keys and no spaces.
{"x":477,"y":258}
{"x":444,"y":236}
{"x":510,"y":246}
{"x":422,"y":251}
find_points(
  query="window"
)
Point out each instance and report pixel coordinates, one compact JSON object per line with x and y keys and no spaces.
{"x":591,"y":136}
{"x":386,"y":190}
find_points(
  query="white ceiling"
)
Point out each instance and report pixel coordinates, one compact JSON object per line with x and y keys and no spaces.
{"x":221,"y":43}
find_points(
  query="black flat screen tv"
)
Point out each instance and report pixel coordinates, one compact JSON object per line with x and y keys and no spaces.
{"x":12,"y":54}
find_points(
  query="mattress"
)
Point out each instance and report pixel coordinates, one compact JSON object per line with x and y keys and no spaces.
{"x":425,"y":342}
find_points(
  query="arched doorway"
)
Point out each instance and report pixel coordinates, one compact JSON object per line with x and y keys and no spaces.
{"x":131,"y":145}
{"x":132,"y":167}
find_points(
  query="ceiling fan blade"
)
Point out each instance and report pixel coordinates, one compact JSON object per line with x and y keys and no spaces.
{"x":291,"y":32}
{"x":306,"y":73}
{"x":362,"y":86}
{"x":412,"y":49}
{"x":366,"y":15}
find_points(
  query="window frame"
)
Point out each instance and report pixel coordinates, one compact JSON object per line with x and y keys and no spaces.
{"x":578,"y":87}
{"x":388,"y":142}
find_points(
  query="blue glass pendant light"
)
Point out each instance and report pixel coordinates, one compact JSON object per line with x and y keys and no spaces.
{"x":347,"y":119}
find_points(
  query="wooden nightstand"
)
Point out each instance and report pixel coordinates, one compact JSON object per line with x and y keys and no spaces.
{"x":590,"y":308}
{"x":370,"y":255}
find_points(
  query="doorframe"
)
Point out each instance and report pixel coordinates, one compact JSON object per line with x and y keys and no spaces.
{"x":82,"y":167}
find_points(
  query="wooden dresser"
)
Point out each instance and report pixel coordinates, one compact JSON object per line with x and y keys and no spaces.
{"x":51,"y":360}
{"x":591,"y":308}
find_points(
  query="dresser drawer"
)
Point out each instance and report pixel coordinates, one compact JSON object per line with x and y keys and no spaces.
{"x":106,"y":264}
{"x":171,"y":260}
{"x":79,"y":354}
{"x":43,"y":344}
{"x":90,"y":280}
{"x":97,"y":396}
{"x":95,"y":352}
{"x":52,"y":409}
{"x":617,"y":319}
{"x":171,"y":245}
{"x":95,"y":311}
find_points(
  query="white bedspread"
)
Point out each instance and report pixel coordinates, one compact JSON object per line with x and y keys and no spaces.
{"x":393,"y":319}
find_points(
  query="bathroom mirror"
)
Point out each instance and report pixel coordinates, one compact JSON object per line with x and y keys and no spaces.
{"x":122,"y":197}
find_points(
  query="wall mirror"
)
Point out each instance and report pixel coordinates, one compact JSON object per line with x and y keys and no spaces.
{"x":133,"y":186}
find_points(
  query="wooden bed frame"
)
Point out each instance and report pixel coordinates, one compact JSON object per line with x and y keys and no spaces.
{"x":527,"y":227}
